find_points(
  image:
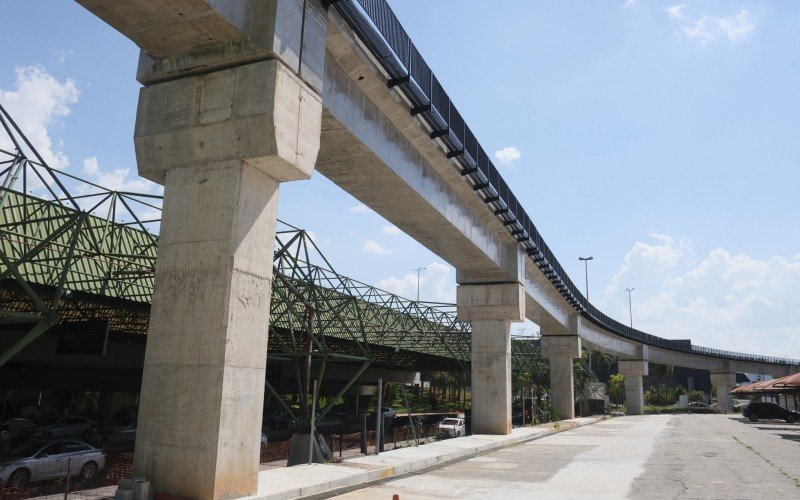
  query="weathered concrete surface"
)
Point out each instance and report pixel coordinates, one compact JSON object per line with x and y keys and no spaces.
{"x":491,"y":377}
{"x":597,"y":461}
{"x":560,"y":350}
{"x":319,"y":480}
{"x":724,"y":383}
{"x":633,"y":370}
{"x":186,"y":37}
{"x":716,"y":456}
{"x":205,"y":362}
{"x":231,"y":108}
{"x":220,"y":142}
{"x":372,"y":148}
{"x":260,"y":113}
{"x":684,"y":456}
{"x":500,"y":301}
{"x":490,"y":309}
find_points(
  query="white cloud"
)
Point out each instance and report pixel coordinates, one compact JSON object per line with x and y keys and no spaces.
{"x":118,"y":179}
{"x":36,"y":103}
{"x":649,"y":260}
{"x":374,"y":247}
{"x":735,"y":27}
{"x":320,"y":243}
{"x":507,"y":155}
{"x":359,"y":209}
{"x":391,"y":230}
{"x":436,"y":284}
{"x":675,"y":11}
{"x":722,"y":300}
{"x":630,"y":3}
{"x":62,"y":54}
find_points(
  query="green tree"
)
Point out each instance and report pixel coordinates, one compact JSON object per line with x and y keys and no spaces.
{"x":616,"y":388}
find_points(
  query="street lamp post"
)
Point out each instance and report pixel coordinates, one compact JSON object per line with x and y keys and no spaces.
{"x":586,"y":270}
{"x":630,"y":306}
{"x":418,"y":271}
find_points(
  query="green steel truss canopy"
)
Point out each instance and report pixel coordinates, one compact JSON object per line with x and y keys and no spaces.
{"x":72,"y":250}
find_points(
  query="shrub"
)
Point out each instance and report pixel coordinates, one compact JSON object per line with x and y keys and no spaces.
{"x":696,"y":396}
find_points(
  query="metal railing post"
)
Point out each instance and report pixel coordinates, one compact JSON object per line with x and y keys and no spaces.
{"x":379,"y":418}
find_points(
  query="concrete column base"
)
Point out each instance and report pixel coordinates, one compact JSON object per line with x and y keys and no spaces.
{"x":562,"y":389}
{"x":724,"y":383}
{"x":205,"y":363}
{"x":491,"y":377}
{"x":490,"y":309}
{"x":633,"y":370}
{"x":561,"y":350}
{"x":634,"y":394}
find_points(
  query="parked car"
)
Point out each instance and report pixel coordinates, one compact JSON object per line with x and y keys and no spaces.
{"x":5,"y":437}
{"x":757,"y":410}
{"x":698,"y":407}
{"x":38,"y":461}
{"x":389,"y":412}
{"x":114,"y":434}
{"x":451,"y":427}
{"x":279,"y":419}
{"x":54,"y":427}
{"x":15,"y":425}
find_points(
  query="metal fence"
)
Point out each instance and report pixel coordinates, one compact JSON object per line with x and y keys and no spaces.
{"x":377,"y":27}
{"x":88,"y":477}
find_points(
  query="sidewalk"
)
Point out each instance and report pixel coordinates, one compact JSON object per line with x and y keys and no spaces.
{"x":316,"y":480}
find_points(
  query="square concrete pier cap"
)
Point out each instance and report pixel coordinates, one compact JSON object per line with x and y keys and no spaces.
{"x":633,"y":367}
{"x":561,"y":346}
{"x":491,"y":302}
{"x":259,"y":113}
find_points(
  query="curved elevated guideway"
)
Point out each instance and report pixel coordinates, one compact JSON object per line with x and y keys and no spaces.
{"x":239,"y":97}
{"x":371,"y":41}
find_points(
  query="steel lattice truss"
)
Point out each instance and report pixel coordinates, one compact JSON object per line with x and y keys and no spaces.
{"x":75,"y":250}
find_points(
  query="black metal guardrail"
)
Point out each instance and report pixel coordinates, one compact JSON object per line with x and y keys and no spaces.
{"x":380,"y":31}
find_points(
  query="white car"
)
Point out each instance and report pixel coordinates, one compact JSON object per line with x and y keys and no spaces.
{"x":39,"y":461}
{"x":451,"y":427}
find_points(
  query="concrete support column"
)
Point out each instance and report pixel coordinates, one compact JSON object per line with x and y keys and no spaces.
{"x":633,"y":370}
{"x":220,"y":143}
{"x":724,"y":383}
{"x":490,"y":309}
{"x":560,"y":350}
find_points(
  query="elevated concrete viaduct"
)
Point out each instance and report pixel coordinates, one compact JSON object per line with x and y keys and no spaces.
{"x":241,"y":96}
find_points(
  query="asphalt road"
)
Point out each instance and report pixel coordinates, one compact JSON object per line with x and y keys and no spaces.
{"x":682,"y":456}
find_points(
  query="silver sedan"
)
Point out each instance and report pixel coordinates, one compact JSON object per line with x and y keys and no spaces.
{"x":43,"y":460}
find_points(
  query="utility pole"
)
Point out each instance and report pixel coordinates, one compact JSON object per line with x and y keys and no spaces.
{"x":586,"y":271}
{"x":418,"y":271}
{"x":630,"y":306}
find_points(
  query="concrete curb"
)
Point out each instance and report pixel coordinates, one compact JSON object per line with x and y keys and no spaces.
{"x":325,"y":480}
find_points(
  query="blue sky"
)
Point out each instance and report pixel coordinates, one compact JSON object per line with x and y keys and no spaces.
{"x":660,"y":138}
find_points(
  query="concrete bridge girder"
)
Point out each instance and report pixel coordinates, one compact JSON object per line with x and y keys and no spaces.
{"x":372,"y":148}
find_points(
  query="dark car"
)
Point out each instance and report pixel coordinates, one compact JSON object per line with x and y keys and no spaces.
{"x":698,"y":407}
{"x":54,"y":427}
{"x":755,"y":411}
{"x":279,"y":419}
{"x":115,"y":434}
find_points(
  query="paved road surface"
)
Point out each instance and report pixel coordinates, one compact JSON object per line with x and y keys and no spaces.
{"x":683,"y":456}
